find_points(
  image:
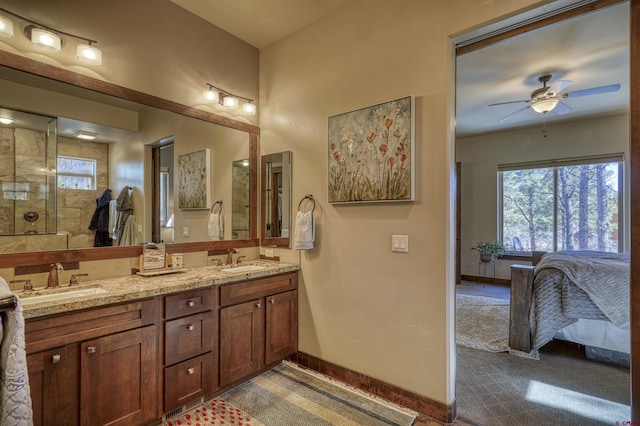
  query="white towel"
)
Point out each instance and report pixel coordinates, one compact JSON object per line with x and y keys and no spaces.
{"x":216,"y":226}
{"x":113,"y":217}
{"x":305,"y":232}
{"x":15,"y":394}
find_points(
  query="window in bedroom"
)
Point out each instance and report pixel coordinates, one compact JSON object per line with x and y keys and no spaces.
{"x":573,"y":204}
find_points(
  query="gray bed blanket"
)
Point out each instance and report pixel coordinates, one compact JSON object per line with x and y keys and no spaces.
{"x":572,"y":285}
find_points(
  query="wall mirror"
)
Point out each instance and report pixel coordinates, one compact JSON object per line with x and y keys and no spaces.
{"x":133,"y":121}
{"x":276,"y":199}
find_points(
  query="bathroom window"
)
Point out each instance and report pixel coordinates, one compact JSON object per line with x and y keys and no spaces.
{"x":571,"y":204}
{"x":76,"y":173}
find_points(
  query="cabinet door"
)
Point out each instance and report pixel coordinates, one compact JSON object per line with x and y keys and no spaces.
{"x":241,"y":340}
{"x":282,"y":326}
{"x":119,"y":378}
{"x":54,"y":383}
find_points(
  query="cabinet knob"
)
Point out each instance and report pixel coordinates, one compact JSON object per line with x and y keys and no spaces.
{"x":190,"y":327}
{"x":191,"y":370}
{"x":258,"y":305}
{"x":92,"y":349}
{"x":191,"y":303}
{"x":272,"y":301}
{"x":55,"y":358}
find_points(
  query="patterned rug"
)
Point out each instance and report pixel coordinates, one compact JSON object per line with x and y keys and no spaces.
{"x":482,"y":323}
{"x":288,"y":395}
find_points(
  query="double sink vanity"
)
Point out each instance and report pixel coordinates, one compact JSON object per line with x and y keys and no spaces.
{"x":127,"y":351}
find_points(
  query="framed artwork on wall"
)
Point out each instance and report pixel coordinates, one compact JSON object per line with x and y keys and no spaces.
{"x":194,"y":191}
{"x":371,"y":154}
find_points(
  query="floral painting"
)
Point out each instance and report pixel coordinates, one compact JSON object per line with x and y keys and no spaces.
{"x":370,"y":154}
{"x":193,"y":180}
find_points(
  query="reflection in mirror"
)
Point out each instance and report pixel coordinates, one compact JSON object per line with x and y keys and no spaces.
{"x":126,"y":132}
{"x":276,"y":199}
{"x":28,"y":145}
{"x":240,"y":200}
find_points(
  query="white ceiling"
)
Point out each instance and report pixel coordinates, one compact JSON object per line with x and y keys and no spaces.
{"x":261,"y":22}
{"x":590,"y":51}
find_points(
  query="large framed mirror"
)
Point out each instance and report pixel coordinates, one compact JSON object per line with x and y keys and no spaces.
{"x":137,"y":121}
{"x":276,"y":199}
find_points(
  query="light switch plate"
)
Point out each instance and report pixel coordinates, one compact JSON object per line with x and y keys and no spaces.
{"x":268,"y":252}
{"x":185,"y":231}
{"x":400,"y":243}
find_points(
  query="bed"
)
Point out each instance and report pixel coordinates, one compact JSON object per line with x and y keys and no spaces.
{"x":578,"y":296}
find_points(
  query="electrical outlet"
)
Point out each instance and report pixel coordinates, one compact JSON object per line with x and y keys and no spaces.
{"x":185,"y":231}
{"x":268,"y":252}
{"x":139,"y":228}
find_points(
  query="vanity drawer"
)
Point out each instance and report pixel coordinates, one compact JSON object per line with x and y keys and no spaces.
{"x":242,"y":292}
{"x":188,"y":336}
{"x":187,"y":303}
{"x":189,"y":380}
{"x":42,"y":334}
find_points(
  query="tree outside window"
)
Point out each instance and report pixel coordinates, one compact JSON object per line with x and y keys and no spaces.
{"x":573,"y":207}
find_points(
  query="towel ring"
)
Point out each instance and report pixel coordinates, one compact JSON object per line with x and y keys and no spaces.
{"x":213,"y":207}
{"x":310,"y":198}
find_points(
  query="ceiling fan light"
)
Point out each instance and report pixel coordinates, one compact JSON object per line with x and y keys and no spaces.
{"x":545,"y":105}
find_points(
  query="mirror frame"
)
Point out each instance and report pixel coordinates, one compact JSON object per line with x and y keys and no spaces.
{"x":21,"y":63}
{"x":272,"y":241}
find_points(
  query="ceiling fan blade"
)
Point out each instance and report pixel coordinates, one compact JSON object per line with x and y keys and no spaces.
{"x":513,"y":113}
{"x":562,"y":109}
{"x":557,"y":87}
{"x":509,"y":102}
{"x":593,"y":91}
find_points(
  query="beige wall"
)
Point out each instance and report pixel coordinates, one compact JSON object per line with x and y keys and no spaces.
{"x":387,"y":315}
{"x":481,"y":155}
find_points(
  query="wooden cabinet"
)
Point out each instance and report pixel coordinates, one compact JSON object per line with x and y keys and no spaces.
{"x":190,"y":353}
{"x":95,"y":367}
{"x":54,"y":378}
{"x":258,"y":325}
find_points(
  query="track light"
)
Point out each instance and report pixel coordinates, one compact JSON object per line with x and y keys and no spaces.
{"x":228,"y":100}
{"x":51,"y":38}
{"x":43,"y":38}
{"x":88,"y":53}
{"x":6,"y":26}
{"x":249,"y":108}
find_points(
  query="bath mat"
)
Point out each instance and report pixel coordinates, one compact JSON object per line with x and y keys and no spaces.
{"x":288,"y":395}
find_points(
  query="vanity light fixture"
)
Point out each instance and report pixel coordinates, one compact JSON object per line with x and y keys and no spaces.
{"x":87,"y":136}
{"x":51,"y":38}
{"x":6,"y":26}
{"x":228,"y":100}
{"x":43,"y":38}
{"x":6,"y":120}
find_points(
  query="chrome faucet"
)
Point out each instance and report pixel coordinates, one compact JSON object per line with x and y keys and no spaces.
{"x":54,"y":269}
{"x":230,"y":256}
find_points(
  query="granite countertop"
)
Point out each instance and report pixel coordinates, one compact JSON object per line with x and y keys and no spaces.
{"x":134,"y":287}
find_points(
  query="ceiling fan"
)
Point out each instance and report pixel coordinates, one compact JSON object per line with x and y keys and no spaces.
{"x":547,"y":99}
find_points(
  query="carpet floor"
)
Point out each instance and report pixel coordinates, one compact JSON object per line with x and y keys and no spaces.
{"x":288,"y":395}
{"x":482,"y":323}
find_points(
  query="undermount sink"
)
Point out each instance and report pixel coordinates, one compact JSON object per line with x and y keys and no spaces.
{"x":62,"y":295}
{"x":246,"y":268}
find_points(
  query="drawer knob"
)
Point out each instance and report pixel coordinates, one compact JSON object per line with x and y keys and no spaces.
{"x":92,"y":349}
{"x":190,"y":327}
{"x":272,"y":301}
{"x":55,"y":358}
{"x":191,"y":303}
{"x":258,"y":305}
{"x":191,"y":370}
